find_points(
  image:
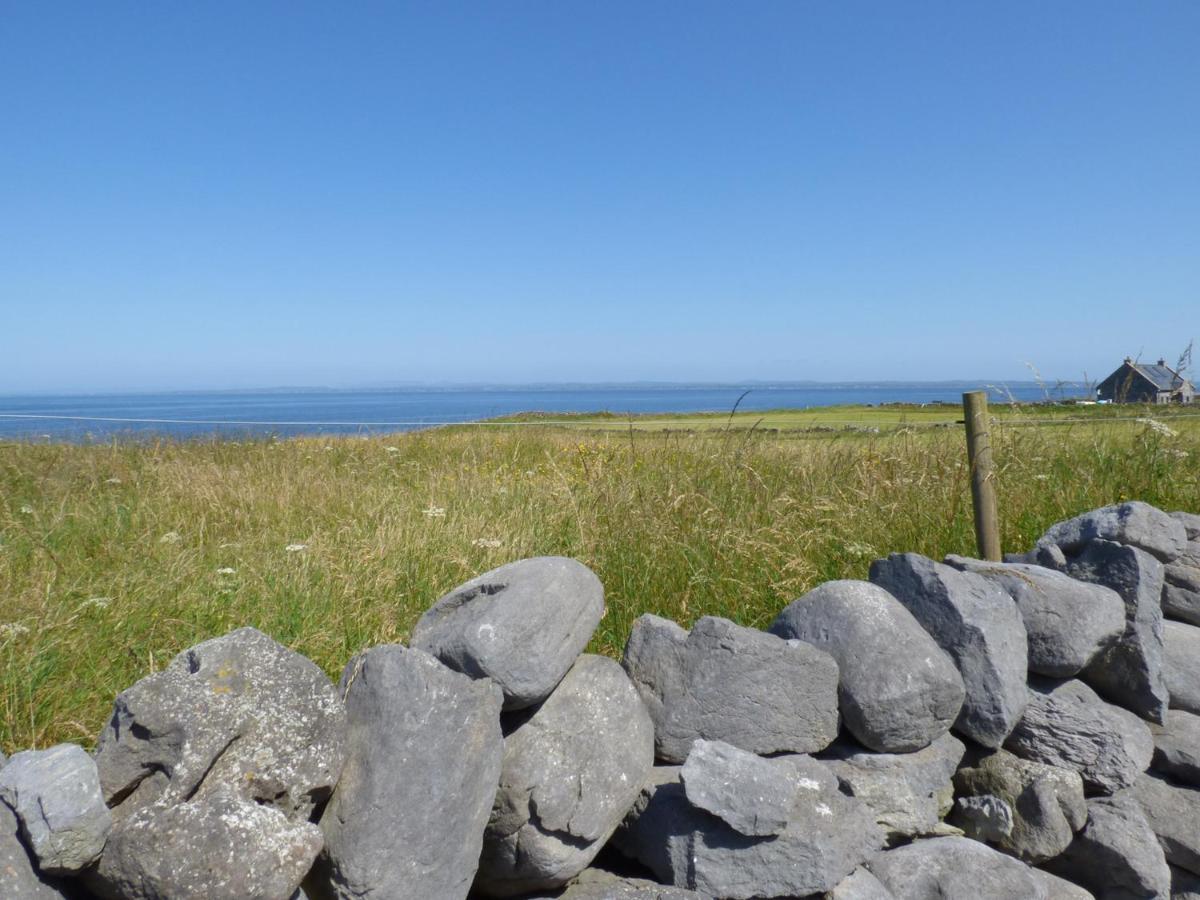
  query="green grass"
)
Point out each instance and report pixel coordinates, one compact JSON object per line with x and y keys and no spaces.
{"x":110,"y":554}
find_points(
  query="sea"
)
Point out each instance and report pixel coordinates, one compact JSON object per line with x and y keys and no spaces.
{"x":289,"y":412}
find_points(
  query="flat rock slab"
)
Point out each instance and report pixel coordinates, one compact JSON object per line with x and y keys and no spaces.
{"x":723,"y":682}
{"x":979,"y":626}
{"x":899,"y":690}
{"x":1133,"y":523}
{"x":956,"y":867}
{"x":1046,"y":804}
{"x":908,"y":793}
{"x":19,"y":875}
{"x":829,"y":837}
{"x":1173,"y":813}
{"x":1181,"y":664}
{"x":1190,"y":522}
{"x":56,"y":796}
{"x":522,"y":625}
{"x":424,"y":749}
{"x":1068,"y":621}
{"x":570,"y":772}
{"x":1181,"y":593}
{"x":597,"y":884}
{"x":220,"y":847}
{"x":240,"y":712}
{"x":1177,"y":747}
{"x":1130,"y":670}
{"x":1067,"y":725}
{"x":860,"y":885}
{"x":753,"y":795}
{"x":1116,"y":855}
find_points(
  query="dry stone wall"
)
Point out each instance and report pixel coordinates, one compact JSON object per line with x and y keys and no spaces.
{"x":1027,"y":729}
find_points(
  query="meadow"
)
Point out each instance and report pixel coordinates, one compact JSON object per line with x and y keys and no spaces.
{"x":115,"y":556}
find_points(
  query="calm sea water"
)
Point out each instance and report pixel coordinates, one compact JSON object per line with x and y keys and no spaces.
{"x":237,"y":414}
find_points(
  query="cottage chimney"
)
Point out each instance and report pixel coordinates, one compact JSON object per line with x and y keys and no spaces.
{"x":1129,"y":360}
{"x":1162,"y":362}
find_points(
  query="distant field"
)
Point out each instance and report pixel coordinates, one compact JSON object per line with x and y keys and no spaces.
{"x":113,"y":557}
{"x":849,"y":418}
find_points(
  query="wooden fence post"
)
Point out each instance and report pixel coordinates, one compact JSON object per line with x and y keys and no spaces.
{"x":983,"y":487}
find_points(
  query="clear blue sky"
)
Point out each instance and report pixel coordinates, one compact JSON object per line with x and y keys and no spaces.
{"x":251,"y":194}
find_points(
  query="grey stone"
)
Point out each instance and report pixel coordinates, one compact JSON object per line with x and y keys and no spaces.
{"x":1129,"y":671}
{"x":19,"y":876}
{"x":1047,"y":804}
{"x":1068,"y":621}
{"x":907,"y":792}
{"x":570,"y":772}
{"x":1116,"y":855}
{"x":1190,"y":522}
{"x":1067,"y":725}
{"x":898,"y":690}
{"x":979,"y":626}
{"x":727,"y":683}
{"x":408,"y":814}
{"x":522,"y":625}
{"x":984,"y":817}
{"x":830,"y":835}
{"x":1049,"y":556}
{"x":1173,"y":813}
{"x":751,"y":794}
{"x":1181,"y":593}
{"x":1177,"y":747}
{"x":1184,"y":884}
{"x":860,"y":885}
{"x":956,"y":867}
{"x":1181,"y":664}
{"x":597,"y":884}
{"x":239,"y":711}
{"x":218,"y":847}
{"x":1189,"y":558}
{"x":56,"y":796}
{"x":1133,"y":523}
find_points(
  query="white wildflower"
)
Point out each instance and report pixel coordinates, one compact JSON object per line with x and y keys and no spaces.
{"x":392,"y":449}
{"x":295,"y":548}
{"x":226,"y":570}
{"x":27,"y":510}
{"x":327,"y":448}
{"x":860,"y":549}
{"x":171,"y":537}
{"x":10,"y":630}
{"x":435,"y":512}
{"x":96,"y":603}
{"x":1042,"y":477}
{"x":489,"y":543}
{"x":1158,"y":427}
{"x":113,"y":480}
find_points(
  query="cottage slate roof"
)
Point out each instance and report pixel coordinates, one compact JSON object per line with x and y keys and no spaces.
{"x":1163,"y":377}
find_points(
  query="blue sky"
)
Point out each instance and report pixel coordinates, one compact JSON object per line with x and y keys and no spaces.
{"x":231,"y":194}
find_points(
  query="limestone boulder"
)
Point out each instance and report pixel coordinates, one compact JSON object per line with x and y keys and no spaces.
{"x":860,"y":885}
{"x":19,"y":874}
{"x":724,"y":682}
{"x":1130,"y":670}
{"x":908,"y":793}
{"x":522,"y":625}
{"x":1045,"y":803}
{"x":1190,"y":522}
{"x":829,"y":836}
{"x":598,"y":884}
{"x":1132,"y":523}
{"x":55,"y":794}
{"x":570,"y":772}
{"x":217,"y":847}
{"x":1181,"y":665}
{"x":1177,"y":747}
{"x":899,"y":690}
{"x":1068,"y":621}
{"x":423,"y":764}
{"x":1116,"y":855}
{"x":979,"y":626}
{"x":1181,"y":593}
{"x":753,"y":795}
{"x":945,"y":867}
{"x":1068,"y":726}
{"x":1173,"y":814}
{"x":240,"y":712}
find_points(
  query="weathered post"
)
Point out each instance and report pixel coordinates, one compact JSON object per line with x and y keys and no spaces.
{"x":983,"y":487}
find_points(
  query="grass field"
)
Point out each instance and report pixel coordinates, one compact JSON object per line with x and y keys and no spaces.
{"x":113,"y":557}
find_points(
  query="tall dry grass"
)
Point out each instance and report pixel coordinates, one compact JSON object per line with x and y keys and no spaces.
{"x":114,"y":557}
